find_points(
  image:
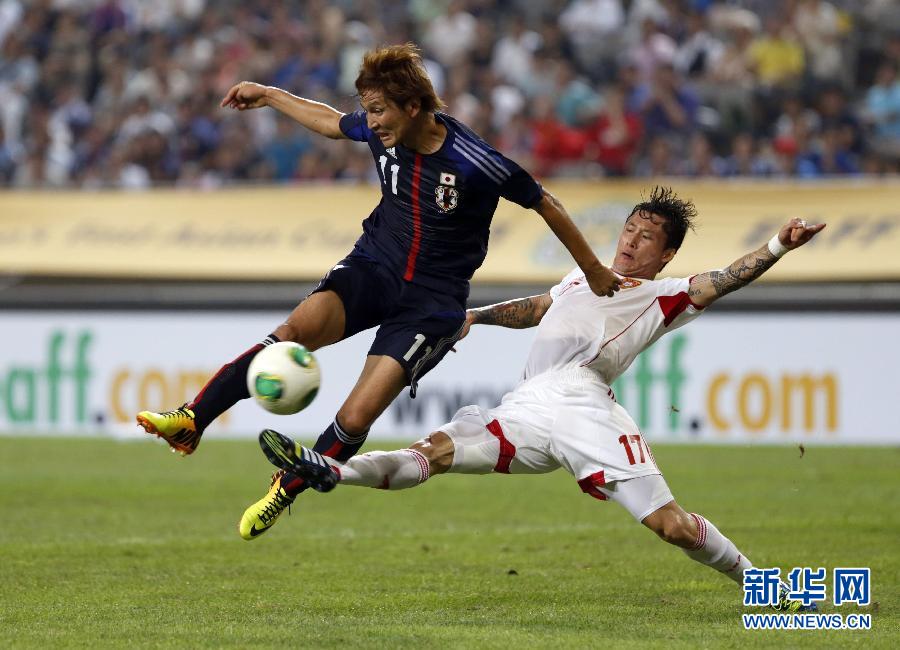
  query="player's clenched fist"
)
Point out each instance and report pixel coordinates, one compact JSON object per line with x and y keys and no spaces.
{"x":245,"y":95}
{"x":602,"y":281}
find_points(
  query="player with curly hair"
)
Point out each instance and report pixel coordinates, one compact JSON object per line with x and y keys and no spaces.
{"x":563,"y":412}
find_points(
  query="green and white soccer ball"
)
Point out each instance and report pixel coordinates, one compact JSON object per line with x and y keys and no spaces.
{"x":284,"y":377}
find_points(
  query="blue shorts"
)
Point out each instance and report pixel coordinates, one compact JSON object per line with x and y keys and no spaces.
{"x":417,"y":326}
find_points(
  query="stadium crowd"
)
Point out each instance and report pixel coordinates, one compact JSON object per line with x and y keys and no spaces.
{"x":125,"y":93}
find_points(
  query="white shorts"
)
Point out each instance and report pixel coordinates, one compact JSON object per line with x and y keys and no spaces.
{"x":566,"y":419}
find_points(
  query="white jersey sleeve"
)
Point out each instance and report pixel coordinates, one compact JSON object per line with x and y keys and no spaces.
{"x":675,"y":303}
{"x":572,"y":276}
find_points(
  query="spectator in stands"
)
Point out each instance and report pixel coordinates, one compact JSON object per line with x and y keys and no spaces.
{"x":513,"y":54}
{"x":450,"y":36}
{"x":516,"y":138}
{"x":7,"y":163}
{"x":823,"y":156}
{"x":732,"y":77}
{"x":124,"y":93}
{"x":594,"y":28}
{"x":834,"y":155}
{"x":460,"y":100}
{"x":632,"y":88}
{"x":668,"y":107}
{"x":701,"y":160}
{"x":836,"y":114}
{"x":882,"y":105}
{"x":699,"y":54}
{"x":660,"y":12}
{"x":777,"y":56}
{"x":554,"y":143}
{"x":655,"y":49}
{"x":544,"y":78}
{"x":481,"y":53}
{"x":659,"y":160}
{"x":577,"y":103}
{"x":745,"y":160}
{"x":613,"y":139}
{"x":555,"y":44}
{"x":284,"y":152}
{"x":793,"y":112}
{"x":817,"y":24}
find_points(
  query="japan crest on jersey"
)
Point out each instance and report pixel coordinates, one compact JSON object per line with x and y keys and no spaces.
{"x":446,"y":195}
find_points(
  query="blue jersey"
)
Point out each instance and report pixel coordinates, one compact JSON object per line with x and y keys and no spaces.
{"x":432,"y":224}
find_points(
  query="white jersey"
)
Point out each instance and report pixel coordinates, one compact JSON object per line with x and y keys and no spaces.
{"x":581,"y":329}
{"x":563,"y":413}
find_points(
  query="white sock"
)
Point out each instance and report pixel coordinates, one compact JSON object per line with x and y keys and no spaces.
{"x":717,"y":551}
{"x":386,"y":470}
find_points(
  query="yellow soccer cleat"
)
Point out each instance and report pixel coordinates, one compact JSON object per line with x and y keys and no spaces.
{"x":785,"y":604}
{"x":177,"y":428}
{"x":263,"y":514}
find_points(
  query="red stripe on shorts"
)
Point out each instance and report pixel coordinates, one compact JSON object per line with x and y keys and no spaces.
{"x":590,"y":484}
{"x":507,"y":449}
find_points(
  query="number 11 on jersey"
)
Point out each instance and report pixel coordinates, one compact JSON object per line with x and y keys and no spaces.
{"x":395,"y":170}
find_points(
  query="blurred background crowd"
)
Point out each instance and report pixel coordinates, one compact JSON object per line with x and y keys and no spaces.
{"x":125,"y":93}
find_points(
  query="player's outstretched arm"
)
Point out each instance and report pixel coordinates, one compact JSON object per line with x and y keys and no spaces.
{"x":315,"y":116}
{"x":708,"y":287}
{"x":517,"y":314}
{"x":601,"y":280}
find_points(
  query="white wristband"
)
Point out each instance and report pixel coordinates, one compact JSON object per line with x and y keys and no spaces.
{"x":776,"y":247}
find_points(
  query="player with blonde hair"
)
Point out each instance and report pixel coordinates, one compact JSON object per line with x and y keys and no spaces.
{"x":408,"y":273}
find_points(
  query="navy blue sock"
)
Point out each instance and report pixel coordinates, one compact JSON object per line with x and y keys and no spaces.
{"x":226,"y":388}
{"x":338,"y":444}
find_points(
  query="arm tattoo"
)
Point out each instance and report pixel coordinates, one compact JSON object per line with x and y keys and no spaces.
{"x":742,"y":272}
{"x":517,"y":314}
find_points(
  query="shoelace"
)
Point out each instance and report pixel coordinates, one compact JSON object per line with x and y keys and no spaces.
{"x":271,"y":510}
{"x":278,"y":504}
{"x":184,"y":436}
{"x":180,"y":411}
{"x":785,"y":604}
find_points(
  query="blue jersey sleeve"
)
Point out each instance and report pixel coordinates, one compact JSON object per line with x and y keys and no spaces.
{"x":519,"y":187}
{"x":354,"y":126}
{"x":511,"y":181}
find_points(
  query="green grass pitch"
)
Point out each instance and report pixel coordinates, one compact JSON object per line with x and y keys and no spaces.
{"x":123,"y":544}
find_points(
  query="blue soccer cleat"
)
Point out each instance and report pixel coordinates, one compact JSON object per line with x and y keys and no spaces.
{"x":309,"y":465}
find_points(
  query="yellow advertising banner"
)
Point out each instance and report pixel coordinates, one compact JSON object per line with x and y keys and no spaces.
{"x":300,"y":232}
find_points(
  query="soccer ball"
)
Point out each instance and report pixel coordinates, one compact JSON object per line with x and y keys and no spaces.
{"x":284,"y":377}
